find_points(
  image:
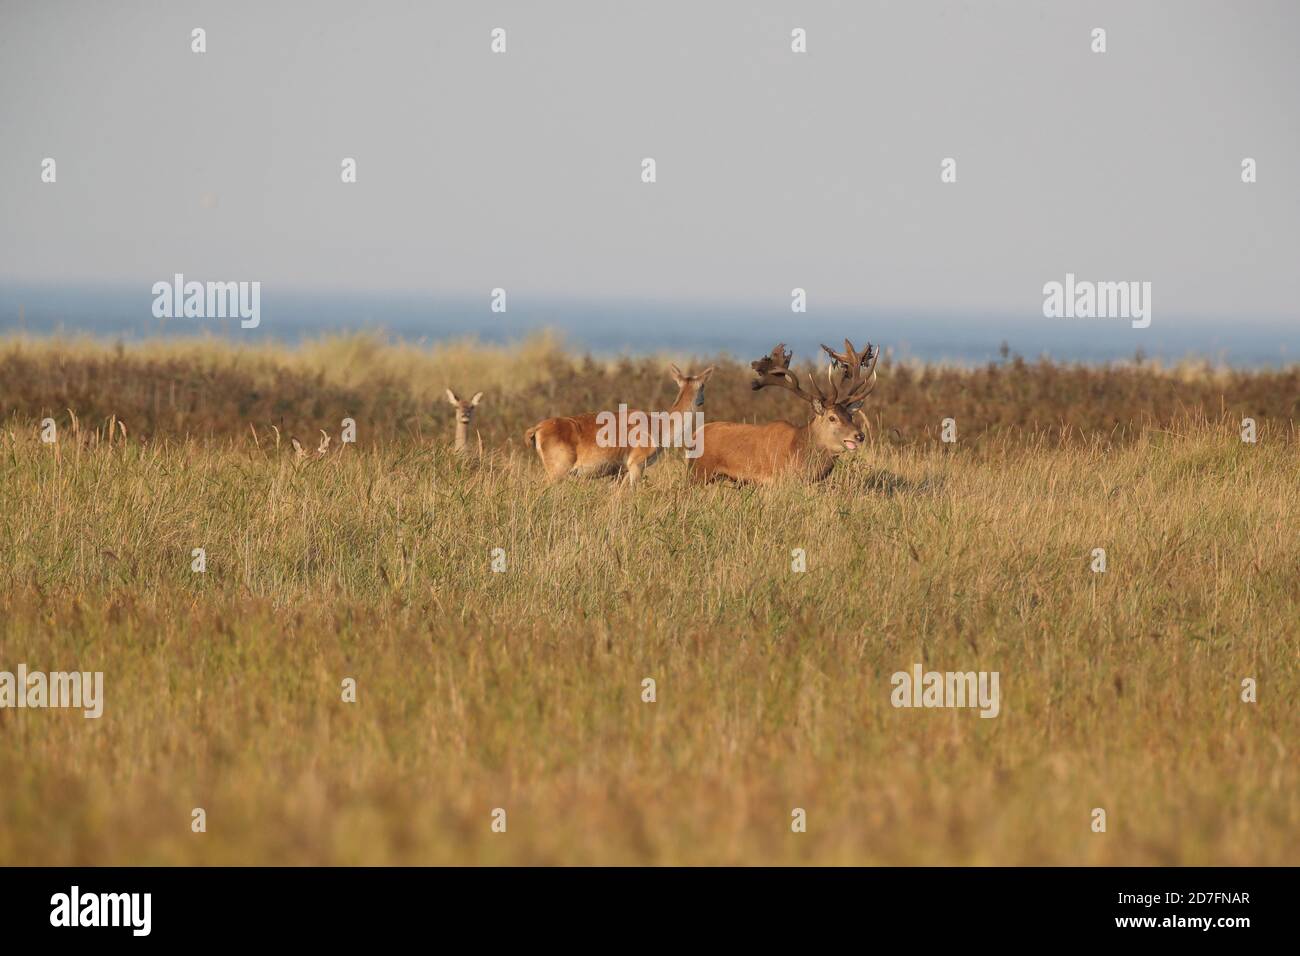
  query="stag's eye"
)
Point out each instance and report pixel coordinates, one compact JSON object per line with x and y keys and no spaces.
{"x":834,"y":419}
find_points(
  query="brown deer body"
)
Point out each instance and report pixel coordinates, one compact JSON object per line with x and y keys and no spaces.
{"x":572,"y":444}
{"x":764,"y":453}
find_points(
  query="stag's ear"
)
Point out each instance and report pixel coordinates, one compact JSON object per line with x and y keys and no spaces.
{"x":818,"y":407}
{"x":854,"y":406}
{"x":451,"y":397}
{"x":478,"y":397}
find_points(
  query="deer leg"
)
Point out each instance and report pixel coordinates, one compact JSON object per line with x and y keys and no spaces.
{"x":558,"y":459}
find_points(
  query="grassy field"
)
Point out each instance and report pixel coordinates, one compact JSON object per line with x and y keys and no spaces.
{"x":522,"y":689}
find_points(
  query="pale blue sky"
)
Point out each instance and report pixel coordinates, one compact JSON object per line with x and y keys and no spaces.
{"x":775,"y":170}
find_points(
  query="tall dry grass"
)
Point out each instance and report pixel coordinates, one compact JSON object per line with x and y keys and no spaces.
{"x":522,"y":689}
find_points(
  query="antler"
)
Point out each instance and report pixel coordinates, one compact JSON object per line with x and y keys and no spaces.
{"x":857,"y":372}
{"x":774,"y":369}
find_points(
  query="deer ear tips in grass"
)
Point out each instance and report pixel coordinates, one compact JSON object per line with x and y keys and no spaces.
{"x":300,"y":452}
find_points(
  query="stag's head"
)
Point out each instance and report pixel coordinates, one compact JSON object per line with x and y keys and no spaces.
{"x":850,"y":379}
{"x":464,"y":409}
{"x":691,"y":387}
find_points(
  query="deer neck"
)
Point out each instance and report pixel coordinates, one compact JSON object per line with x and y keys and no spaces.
{"x":685,"y":399}
{"x":462,"y":435}
{"x":807,"y":447}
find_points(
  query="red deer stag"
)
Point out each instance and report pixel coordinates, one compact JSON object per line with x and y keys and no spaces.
{"x":763,"y":453}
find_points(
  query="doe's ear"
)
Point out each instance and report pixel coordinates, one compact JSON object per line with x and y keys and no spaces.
{"x":704,"y":376}
{"x":478,"y":397}
{"x":451,"y":397}
{"x":676,"y":373}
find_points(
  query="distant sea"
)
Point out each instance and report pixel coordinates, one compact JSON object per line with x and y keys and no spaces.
{"x":637,"y":327}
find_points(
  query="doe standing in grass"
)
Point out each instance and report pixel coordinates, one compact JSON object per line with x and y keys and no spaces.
{"x":572,"y":445}
{"x":464,"y":415}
